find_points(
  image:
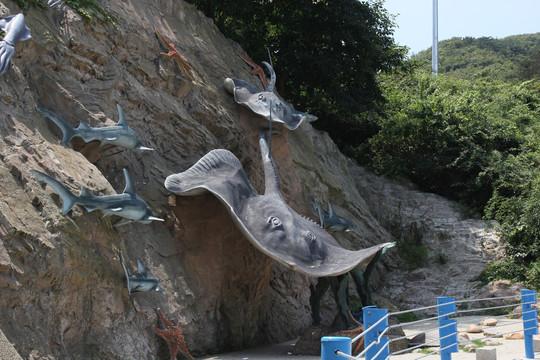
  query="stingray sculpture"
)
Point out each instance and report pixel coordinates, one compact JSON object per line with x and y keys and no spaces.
{"x":15,"y":30}
{"x":266,"y":220}
{"x":127,"y":205}
{"x":266,"y":102}
{"x":143,"y":281}
{"x":119,"y":135}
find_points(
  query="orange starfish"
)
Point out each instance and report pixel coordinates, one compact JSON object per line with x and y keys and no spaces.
{"x":173,"y":336}
{"x":174,"y":54}
{"x":256,"y":69}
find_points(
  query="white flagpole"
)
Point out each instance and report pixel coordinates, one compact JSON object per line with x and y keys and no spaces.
{"x":435,"y":47}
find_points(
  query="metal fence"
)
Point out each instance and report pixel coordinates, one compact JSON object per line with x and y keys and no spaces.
{"x":376,"y":328}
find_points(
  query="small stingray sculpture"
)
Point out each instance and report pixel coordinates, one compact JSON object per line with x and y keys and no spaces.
{"x":266,"y":220}
{"x":127,"y":205}
{"x":143,"y":281}
{"x":16,"y":30}
{"x":266,"y":102}
{"x":331,"y":220}
{"x":119,"y":135}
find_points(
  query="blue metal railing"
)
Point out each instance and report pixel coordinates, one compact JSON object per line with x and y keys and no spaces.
{"x":377,"y":345}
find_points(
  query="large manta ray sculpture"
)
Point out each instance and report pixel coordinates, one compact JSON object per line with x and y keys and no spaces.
{"x":266,"y":103}
{"x":15,"y":30}
{"x":266,"y":220}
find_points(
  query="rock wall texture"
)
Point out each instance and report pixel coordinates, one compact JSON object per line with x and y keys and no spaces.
{"x":62,"y":287}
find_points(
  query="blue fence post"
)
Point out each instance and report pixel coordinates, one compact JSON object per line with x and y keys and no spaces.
{"x":447,"y":327}
{"x":330,"y":344}
{"x":530,"y":322}
{"x":372,"y":315}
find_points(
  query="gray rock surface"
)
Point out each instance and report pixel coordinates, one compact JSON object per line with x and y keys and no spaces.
{"x":62,"y":288}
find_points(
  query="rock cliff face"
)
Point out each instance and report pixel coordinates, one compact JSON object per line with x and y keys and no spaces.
{"x":62,"y":287}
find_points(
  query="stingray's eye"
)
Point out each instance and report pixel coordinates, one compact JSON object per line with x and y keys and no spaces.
{"x":310,"y":237}
{"x":274,"y":222}
{"x":261,"y":96}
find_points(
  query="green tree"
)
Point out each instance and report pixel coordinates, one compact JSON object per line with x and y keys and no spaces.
{"x":444,"y":133}
{"x":326,"y":55}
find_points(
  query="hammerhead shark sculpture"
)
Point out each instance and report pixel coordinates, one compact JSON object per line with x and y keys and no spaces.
{"x":331,"y":220}
{"x":119,"y":135}
{"x":266,"y":220}
{"x":266,"y":103}
{"x":143,"y":281}
{"x":15,"y":30}
{"x":127,"y":205}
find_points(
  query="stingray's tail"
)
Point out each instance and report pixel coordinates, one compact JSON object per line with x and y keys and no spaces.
{"x":67,"y":130}
{"x":68,"y":198}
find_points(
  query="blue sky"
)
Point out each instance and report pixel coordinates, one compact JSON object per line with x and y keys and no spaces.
{"x":476,"y":18}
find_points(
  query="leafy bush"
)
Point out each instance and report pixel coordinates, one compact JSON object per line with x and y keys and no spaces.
{"x":446,"y":134}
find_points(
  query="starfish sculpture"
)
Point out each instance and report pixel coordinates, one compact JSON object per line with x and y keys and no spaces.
{"x":174,"y":54}
{"x":173,"y":336}
{"x":256,"y":69}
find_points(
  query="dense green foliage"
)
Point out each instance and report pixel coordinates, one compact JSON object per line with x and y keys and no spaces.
{"x":326,"y":55}
{"x":476,"y":141}
{"x":88,"y":9}
{"x":447,"y":134}
{"x":508,"y":59}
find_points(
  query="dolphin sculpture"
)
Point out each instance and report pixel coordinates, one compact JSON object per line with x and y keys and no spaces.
{"x":331,"y":220}
{"x":119,"y":135}
{"x":266,"y":102}
{"x":15,"y":30}
{"x":143,"y":281}
{"x":127,"y":205}
{"x":266,"y":220}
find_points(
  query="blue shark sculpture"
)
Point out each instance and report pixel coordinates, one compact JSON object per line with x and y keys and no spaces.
{"x":15,"y":30}
{"x":266,"y":103}
{"x":143,"y":281}
{"x":266,"y":220}
{"x":331,"y":220}
{"x":127,"y":205}
{"x":120,"y":135}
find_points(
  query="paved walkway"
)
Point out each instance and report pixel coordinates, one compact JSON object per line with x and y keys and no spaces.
{"x":506,"y":349}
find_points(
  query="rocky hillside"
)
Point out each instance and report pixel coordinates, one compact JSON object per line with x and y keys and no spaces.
{"x":62,"y":287}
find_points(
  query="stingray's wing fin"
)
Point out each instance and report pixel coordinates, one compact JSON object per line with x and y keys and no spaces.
{"x":219,"y":172}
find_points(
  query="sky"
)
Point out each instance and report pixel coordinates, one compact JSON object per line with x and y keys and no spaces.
{"x":461,"y":18}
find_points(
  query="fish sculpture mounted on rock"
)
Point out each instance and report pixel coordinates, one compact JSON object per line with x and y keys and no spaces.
{"x":331,"y":220}
{"x":266,"y":103}
{"x":143,"y":281}
{"x":271,"y":225}
{"x":120,"y":135}
{"x":15,"y":30}
{"x":127,"y":205}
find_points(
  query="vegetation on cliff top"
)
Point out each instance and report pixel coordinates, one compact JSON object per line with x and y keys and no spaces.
{"x":326,"y":55}
{"x":471,"y":134}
